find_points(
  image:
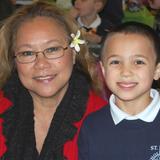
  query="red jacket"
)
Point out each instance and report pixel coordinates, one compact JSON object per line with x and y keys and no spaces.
{"x":70,"y":148}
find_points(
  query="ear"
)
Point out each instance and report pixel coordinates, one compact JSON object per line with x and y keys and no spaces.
{"x":102,"y":68}
{"x":157,"y":72}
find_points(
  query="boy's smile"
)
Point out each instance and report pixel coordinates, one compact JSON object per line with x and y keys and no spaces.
{"x":129,"y":67}
{"x":127,"y":85}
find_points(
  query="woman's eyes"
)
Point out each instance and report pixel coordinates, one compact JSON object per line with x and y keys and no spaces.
{"x":53,"y":49}
{"x":27,"y":53}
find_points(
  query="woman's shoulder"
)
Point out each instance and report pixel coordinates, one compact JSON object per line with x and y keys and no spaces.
{"x":95,"y":102}
{"x":5,"y":103}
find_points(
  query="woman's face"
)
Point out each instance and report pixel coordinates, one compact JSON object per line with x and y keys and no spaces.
{"x":44,"y":77}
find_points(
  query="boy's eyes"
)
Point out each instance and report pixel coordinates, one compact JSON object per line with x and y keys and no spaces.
{"x":114,"y":62}
{"x":139,"y":62}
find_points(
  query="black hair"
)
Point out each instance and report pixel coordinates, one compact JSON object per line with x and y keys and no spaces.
{"x":141,"y":29}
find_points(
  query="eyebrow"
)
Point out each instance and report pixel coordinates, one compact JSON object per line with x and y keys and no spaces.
{"x":133,"y":56}
{"x":141,"y":56}
{"x":47,"y":42}
{"x":112,"y":56}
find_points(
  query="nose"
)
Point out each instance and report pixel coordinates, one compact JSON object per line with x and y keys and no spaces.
{"x":41,"y":61}
{"x":126,"y":70}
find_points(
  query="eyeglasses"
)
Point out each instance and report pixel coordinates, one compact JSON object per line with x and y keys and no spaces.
{"x":49,"y":53}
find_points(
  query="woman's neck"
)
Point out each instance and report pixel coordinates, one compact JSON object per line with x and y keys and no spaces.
{"x":44,"y":110}
{"x":43,"y":115}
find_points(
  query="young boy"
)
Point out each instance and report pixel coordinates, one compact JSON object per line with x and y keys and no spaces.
{"x":129,"y":128}
{"x":86,"y":13}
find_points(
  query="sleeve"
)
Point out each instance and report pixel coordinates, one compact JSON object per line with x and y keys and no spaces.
{"x":83,"y":143}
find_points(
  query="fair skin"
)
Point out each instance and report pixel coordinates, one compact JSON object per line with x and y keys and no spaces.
{"x":46,"y":80}
{"x":155,"y":4}
{"x":87,"y":10}
{"x":129,"y":67}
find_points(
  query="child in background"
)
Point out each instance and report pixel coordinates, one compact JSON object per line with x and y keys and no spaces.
{"x":135,"y":10}
{"x":86,"y":13}
{"x":129,"y":127}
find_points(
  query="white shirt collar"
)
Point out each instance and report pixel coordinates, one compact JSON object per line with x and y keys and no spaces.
{"x":148,"y":115}
{"x":94,"y":24}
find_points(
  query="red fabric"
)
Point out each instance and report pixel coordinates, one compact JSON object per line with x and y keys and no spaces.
{"x":70,"y":148}
{"x":5,"y":104}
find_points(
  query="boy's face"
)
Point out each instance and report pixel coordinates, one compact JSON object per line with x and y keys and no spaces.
{"x":86,"y":7}
{"x":129,"y":67}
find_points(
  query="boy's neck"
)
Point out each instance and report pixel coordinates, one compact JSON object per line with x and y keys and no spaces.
{"x":88,"y":20}
{"x":134,"y":108}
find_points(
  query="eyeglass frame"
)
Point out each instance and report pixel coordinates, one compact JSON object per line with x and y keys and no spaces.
{"x":35,"y":53}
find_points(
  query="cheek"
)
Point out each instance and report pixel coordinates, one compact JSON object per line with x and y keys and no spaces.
{"x":23,"y":70}
{"x":66,"y":63}
{"x":86,"y":9}
{"x":25,"y":74}
{"x":148,"y":78}
{"x":107,"y":73}
{"x":146,"y":73}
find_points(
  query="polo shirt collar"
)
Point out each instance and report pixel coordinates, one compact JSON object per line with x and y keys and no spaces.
{"x":94,"y":24}
{"x":147,"y":115}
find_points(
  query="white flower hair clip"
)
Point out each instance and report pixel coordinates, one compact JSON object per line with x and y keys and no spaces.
{"x":76,"y":41}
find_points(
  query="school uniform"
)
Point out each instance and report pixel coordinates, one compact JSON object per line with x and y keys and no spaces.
{"x":93,"y":26}
{"x":111,"y":134}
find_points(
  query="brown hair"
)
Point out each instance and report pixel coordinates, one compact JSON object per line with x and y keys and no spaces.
{"x":8,"y":33}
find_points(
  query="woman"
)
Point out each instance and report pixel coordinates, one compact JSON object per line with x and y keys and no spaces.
{"x":48,"y":94}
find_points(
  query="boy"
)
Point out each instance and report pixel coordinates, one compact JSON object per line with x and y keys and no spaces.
{"x":86,"y":13}
{"x":127,"y":129}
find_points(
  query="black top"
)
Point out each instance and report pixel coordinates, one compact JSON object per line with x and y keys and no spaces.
{"x":111,"y":16}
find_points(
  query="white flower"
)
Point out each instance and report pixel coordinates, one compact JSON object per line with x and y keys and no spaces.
{"x":76,"y":41}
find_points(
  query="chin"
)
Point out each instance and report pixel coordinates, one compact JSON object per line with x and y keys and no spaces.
{"x":47,"y":94}
{"x":127,"y":98}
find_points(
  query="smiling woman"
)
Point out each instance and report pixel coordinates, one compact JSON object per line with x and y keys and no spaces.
{"x":41,"y":73}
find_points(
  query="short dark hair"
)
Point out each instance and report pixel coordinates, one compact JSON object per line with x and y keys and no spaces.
{"x":141,"y":29}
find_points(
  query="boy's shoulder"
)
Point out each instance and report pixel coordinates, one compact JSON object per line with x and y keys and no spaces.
{"x":99,"y":116}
